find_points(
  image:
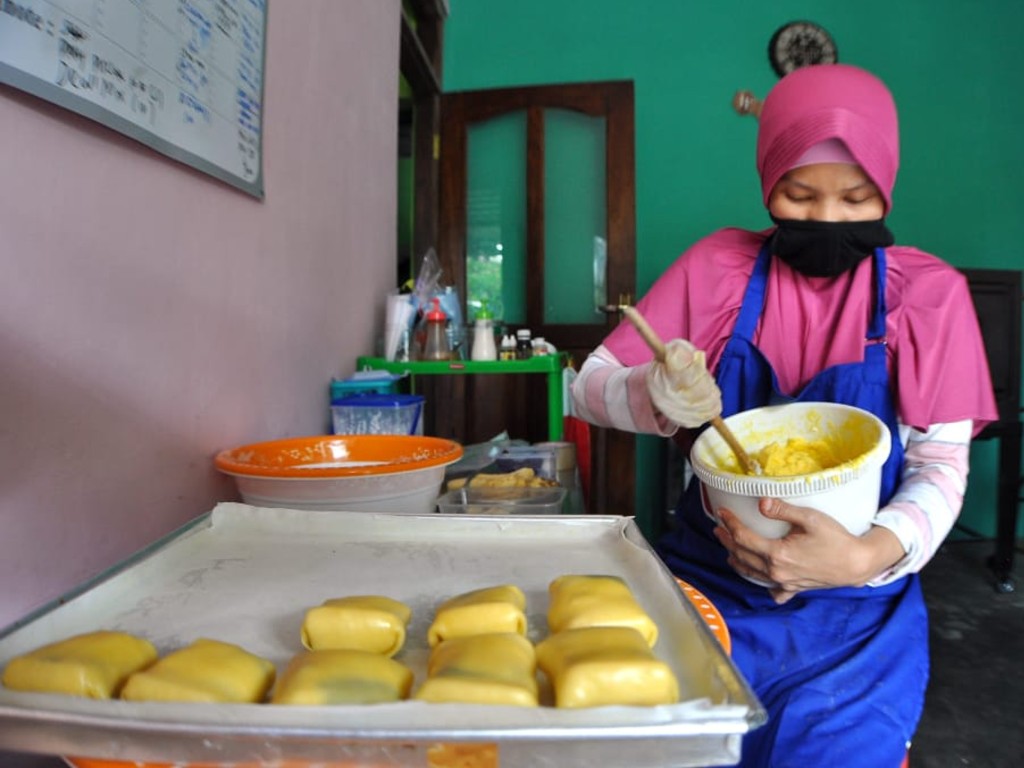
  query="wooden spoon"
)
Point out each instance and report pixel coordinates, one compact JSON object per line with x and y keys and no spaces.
{"x":648,"y":334}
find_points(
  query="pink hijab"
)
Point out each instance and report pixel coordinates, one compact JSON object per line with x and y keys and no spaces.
{"x":829,"y":101}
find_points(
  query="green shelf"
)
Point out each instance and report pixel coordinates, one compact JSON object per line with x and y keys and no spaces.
{"x":548,"y":365}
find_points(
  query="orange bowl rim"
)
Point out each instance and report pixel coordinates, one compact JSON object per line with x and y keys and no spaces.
{"x":417,"y":452}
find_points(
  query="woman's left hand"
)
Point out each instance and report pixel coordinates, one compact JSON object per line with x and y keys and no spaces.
{"x":817,"y":552}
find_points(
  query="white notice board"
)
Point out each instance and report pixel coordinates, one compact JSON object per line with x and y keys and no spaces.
{"x":182,"y":76}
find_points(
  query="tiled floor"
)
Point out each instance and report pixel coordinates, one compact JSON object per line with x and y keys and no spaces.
{"x":975,"y":704}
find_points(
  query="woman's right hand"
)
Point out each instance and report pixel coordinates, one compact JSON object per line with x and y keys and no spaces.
{"x":682,"y":388}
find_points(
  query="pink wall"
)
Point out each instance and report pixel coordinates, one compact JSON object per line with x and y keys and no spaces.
{"x":151,"y":316}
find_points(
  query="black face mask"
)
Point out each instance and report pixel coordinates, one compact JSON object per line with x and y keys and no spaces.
{"x":827,"y":248}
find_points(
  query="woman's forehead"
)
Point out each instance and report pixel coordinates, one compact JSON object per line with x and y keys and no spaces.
{"x":831,"y":175}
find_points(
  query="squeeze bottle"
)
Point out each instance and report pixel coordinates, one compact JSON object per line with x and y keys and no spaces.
{"x":483,"y":336}
{"x":436,"y":346}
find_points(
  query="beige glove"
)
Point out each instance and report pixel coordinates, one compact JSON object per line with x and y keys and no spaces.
{"x":682,"y":388}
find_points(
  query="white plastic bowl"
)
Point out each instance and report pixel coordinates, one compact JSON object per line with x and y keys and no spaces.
{"x":847,"y":492}
{"x":358,"y":473}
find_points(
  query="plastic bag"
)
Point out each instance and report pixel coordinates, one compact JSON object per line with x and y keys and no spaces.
{"x":428,"y":281}
{"x":480,"y":456}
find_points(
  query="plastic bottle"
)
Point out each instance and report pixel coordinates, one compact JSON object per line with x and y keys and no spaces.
{"x":524,"y":346}
{"x":436,"y":346}
{"x":483,"y":335}
{"x":508,"y":348}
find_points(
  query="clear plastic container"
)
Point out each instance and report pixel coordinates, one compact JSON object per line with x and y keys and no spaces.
{"x":502,"y":501}
{"x":541,"y":459}
{"x":377,"y":414}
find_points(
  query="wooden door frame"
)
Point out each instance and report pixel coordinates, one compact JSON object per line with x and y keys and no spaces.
{"x":421,"y":53}
{"x":613,"y":451}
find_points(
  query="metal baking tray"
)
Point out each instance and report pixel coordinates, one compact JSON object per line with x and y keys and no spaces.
{"x":247,"y":575}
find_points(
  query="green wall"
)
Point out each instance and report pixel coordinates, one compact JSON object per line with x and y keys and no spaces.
{"x":954,"y":68}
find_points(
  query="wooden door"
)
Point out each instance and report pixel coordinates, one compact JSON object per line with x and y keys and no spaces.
{"x":540,"y":181}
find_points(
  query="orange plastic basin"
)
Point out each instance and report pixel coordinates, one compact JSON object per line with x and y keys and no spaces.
{"x":338,"y":456}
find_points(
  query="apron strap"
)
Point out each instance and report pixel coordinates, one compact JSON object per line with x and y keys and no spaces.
{"x":876,"y":328}
{"x":753,"y":296}
{"x":875,"y":342}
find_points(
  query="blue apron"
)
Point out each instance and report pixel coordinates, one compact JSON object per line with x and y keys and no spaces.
{"x":842,"y":672}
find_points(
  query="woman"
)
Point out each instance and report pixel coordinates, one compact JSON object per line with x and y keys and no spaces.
{"x":821,"y":307}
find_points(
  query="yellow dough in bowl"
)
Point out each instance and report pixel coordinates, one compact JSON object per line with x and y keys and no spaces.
{"x":94,"y":665}
{"x":604,"y":666}
{"x":359,"y":623}
{"x":206,"y":670}
{"x":797,"y":456}
{"x":482,"y":611}
{"x":323,"y":678}
{"x":497,"y":668}
{"x":597,"y":601}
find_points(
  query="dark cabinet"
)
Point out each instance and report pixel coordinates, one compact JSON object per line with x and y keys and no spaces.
{"x":997,"y":301}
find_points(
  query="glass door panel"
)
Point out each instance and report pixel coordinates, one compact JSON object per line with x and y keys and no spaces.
{"x":496,"y":258}
{"x":575,"y":240}
{"x":537,"y":190}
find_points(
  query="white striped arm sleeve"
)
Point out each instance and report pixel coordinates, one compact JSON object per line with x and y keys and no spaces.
{"x":609,"y":394}
{"x":930,"y":495}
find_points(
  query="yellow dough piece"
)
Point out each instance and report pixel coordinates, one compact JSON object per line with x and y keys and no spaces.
{"x":94,"y":665}
{"x":498,"y":668}
{"x":524,"y":477}
{"x":597,"y":601}
{"x":322,"y":678}
{"x":357,"y":623}
{"x":206,"y":670}
{"x":482,"y":611}
{"x":603,"y":666}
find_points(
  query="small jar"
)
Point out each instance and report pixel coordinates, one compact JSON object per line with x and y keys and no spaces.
{"x":540,"y":347}
{"x":524,"y":345}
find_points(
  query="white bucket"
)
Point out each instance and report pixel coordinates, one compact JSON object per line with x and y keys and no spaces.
{"x":847,"y":492}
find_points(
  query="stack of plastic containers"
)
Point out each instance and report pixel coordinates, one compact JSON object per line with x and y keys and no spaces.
{"x":371,"y":406}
